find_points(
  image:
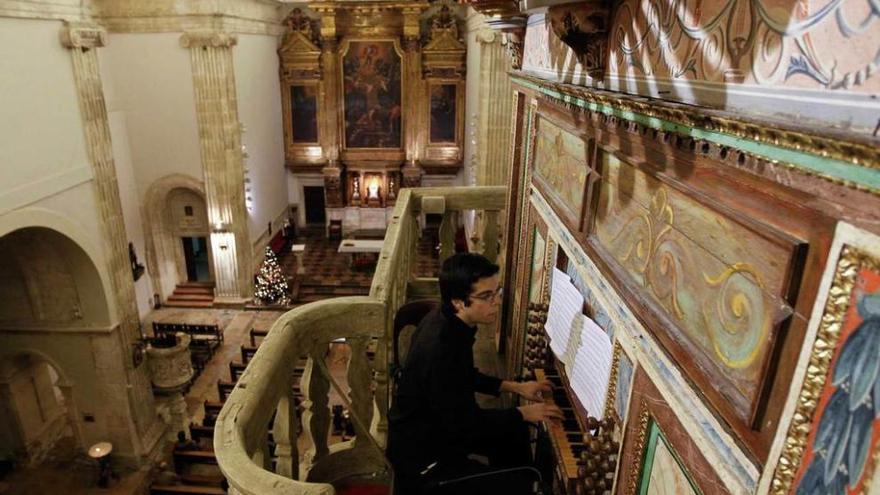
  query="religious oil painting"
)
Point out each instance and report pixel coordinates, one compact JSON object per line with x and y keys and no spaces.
{"x":537,"y":277}
{"x":304,"y":113}
{"x":725,"y":299}
{"x":371,"y":74}
{"x":443,"y":113}
{"x":561,"y":165}
{"x":841,"y":451}
{"x":662,"y":472}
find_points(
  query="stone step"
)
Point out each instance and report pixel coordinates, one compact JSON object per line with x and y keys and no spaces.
{"x":188,"y":304}
{"x":190,"y":297}
{"x":194,"y":290}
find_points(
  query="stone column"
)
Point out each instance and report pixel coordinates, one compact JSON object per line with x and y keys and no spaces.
{"x":222,"y":161}
{"x":171,"y":371}
{"x":333,"y":191}
{"x":496,"y":104}
{"x":414,"y":121}
{"x":124,"y":382}
{"x":332,"y":141}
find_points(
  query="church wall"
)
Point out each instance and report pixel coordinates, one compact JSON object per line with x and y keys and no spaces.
{"x":787,"y":60}
{"x":129,"y":195}
{"x":259,"y":109}
{"x":148,"y":80}
{"x":41,"y":137}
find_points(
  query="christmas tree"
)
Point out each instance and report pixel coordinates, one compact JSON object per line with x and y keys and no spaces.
{"x":271,"y":285}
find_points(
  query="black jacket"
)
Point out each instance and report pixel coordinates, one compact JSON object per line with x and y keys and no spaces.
{"x":434,"y":415}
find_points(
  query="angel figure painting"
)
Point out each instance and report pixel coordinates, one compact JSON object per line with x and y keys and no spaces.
{"x":371,"y":73}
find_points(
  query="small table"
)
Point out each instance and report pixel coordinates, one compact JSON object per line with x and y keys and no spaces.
{"x":361,"y":250}
{"x":298,"y":250}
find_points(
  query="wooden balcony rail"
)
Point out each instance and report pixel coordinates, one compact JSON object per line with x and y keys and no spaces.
{"x":265,"y":388}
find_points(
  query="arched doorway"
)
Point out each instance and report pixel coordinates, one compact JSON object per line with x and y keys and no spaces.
{"x":36,"y":410}
{"x":178,"y":240}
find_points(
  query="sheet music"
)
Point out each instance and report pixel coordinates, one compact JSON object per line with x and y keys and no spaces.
{"x":565,"y":307}
{"x":592,"y":368}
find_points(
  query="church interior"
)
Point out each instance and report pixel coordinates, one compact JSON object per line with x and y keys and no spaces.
{"x":683,"y":198}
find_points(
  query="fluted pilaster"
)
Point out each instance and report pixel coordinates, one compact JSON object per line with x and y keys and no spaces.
{"x":496,"y":104}
{"x":83,"y":40}
{"x":222,"y":160}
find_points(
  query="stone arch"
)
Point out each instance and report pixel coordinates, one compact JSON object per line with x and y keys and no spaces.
{"x":83,"y":260}
{"x":36,"y":408}
{"x":163,"y":249}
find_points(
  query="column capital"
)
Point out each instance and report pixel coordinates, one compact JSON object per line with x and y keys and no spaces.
{"x":201,"y":39}
{"x":83,"y":35}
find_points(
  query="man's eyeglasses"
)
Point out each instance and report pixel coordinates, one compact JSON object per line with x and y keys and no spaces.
{"x":488,"y":296}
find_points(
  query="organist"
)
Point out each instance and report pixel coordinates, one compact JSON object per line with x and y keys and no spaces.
{"x":435,"y":423}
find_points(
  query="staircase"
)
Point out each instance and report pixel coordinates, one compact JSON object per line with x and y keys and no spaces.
{"x":192,"y":295}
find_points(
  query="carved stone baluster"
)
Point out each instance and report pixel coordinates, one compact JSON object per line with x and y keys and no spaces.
{"x":490,"y":235}
{"x":359,"y":377}
{"x":447,"y":236}
{"x":316,"y":413}
{"x":284,"y":431}
{"x":262,"y":456}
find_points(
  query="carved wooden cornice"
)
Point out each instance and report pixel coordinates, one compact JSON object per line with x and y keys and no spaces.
{"x":83,"y":35}
{"x":860,"y":150}
{"x":215,"y":39}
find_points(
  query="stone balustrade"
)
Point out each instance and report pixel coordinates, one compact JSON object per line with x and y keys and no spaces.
{"x":241,"y":437}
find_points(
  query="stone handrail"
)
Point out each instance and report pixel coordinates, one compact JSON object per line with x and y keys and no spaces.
{"x":264,"y":392}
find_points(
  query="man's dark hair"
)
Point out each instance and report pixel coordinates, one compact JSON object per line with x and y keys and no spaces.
{"x":459,"y":273}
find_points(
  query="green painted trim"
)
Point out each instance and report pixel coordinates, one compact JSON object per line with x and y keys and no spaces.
{"x":835,"y":169}
{"x":654,"y":437}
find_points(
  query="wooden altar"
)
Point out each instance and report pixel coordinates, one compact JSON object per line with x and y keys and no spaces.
{"x":373,"y":97}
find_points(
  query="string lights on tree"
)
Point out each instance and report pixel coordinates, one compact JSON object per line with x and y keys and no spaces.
{"x":271,"y":286}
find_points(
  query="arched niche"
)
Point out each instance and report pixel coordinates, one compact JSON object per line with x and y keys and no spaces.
{"x":37,"y":407}
{"x":175,"y":207}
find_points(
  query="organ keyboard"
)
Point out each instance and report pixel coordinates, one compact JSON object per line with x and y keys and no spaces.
{"x":584,"y":450}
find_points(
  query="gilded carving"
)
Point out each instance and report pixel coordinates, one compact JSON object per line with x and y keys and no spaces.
{"x":635,"y":470}
{"x":847,"y":297}
{"x":612,"y":381}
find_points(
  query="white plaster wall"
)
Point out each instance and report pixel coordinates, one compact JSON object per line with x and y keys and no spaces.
{"x":131,"y":211}
{"x":259,"y":109}
{"x":148,"y":80}
{"x":42,"y":148}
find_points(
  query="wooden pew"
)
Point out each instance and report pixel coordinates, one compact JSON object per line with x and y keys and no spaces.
{"x":186,"y":489}
{"x":236,"y":370}
{"x":224,"y":388}
{"x":257,"y":333}
{"x":203,"y":434}
{"x":187,"y":457}
{"x":247,"y":352}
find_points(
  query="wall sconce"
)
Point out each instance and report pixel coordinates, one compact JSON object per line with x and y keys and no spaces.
{"x":219,"y":228}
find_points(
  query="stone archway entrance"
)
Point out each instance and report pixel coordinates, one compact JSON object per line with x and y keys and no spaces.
{"x":178,"y":234}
